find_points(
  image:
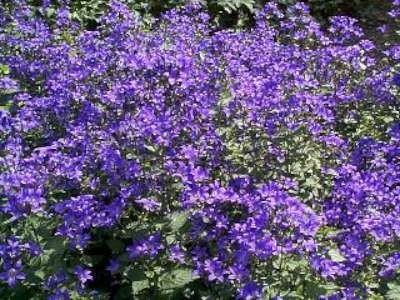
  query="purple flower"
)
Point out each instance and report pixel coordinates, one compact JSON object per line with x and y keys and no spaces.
{"x":177,"y":254}
{"x":113,"y":266}
{"x":84,"y":275}
{"x":250,"y":291}
{"x":54,"y":280}
{"x":390,"y":266}
{"x":396,"y":79}
{"x":63,"y":17}
{"x":149,"y":246}
{"x":328,"y":268}
{"x":59,"y":295}
{"x":214,"y":270}
{"x":7,"y":83}
{"x":34,"y":249}
{"x":276,"y":142}
{"x":149,"y":204}
{"x":383,"y":28}
{"x":12,"y":274}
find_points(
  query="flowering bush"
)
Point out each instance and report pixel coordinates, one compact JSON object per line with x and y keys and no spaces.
{"x":173,"y":160}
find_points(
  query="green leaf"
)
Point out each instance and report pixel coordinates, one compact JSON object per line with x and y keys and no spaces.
{"x":124,"y":292}
{"x":56,"y":243}
{"x":176,"y":278}
{"x":151,"y":148}
{"x":140,"y":285}
{"x":40,"y":273}
{"x":314,"y":289}
{"x":4,"y":69}
{"x":139,"y":281}
{"x":50,"y":12}
{"x":335,"y":255}
{"x":293,"y":264}
{"x":170,"y":239}
{"x":394,"y":291}
{"x":178,"y":220}
{"x":388,"y":119}
{"x":116,"y":246}
{"x":53,"y":252}
{"x":92,"y":260}
{"x":224,"y":101}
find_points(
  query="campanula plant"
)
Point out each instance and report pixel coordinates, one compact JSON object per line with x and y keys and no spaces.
{"x":172,"y":159}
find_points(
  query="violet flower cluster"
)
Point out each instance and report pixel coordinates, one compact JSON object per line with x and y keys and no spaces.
{"x":172,"y":157}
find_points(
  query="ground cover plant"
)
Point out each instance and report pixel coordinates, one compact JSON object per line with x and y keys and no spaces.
{"x":172,"y":159}
{"x":224,"y":13}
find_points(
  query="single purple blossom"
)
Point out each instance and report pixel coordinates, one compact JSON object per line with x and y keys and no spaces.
{"x":12,"y":274}
{"x":84,"y":275}
{"x":177,"y":254}
{"x":113,"y":266}
{"x":396,"y":79}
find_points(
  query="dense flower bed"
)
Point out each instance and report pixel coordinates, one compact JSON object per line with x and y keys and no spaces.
{"x":173,"y":160}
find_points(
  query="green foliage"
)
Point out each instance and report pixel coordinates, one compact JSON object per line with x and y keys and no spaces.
{"x":225,"y":12}
{"x":139,"y":281}
{"x":177,"y":221}
{"x":176,"y":279}
{"x":233,"y":5}
{"x":5,"y":95}
{"x":393,"y":292}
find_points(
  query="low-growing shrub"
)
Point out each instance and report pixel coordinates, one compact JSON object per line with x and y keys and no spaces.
{"x":224,"y":13}
{"x":172,"y":160}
